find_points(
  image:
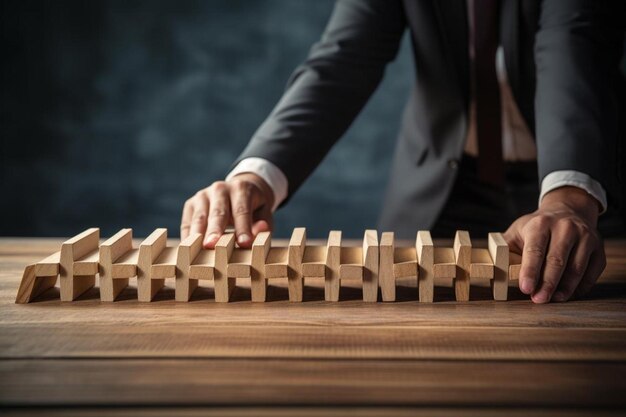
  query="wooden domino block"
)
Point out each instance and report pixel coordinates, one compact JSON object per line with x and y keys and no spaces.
{"x":426,"y":259}
{"x":314,"y":262}
{"x":258,"y":282}
{"x":499,"y":251}
{"x":482,"y":264}
{"x":333,"y":262}
{"x":188,"y":250}
{"x":295,"y":257}
{"x":224,"y":285}
{"x":153,"y":265}
{"x":515,"y":264}
{"x":386,"y":267}
{"x":78,"y":264}
{"x":117,"y":248}
{"x":463,"y":256}
{"x":370,"y":266}
{"x":38,"y":278}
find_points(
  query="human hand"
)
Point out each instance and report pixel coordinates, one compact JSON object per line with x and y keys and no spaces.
{"x":244,"y":201}
{"x":562,"y":252}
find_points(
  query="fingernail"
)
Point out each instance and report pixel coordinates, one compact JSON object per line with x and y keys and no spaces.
{"x":243,"y":238}
{"x":558,"y":297}
{"x":540,"y":297}
{"x":527,"y":286}
{"x":210,"y":238}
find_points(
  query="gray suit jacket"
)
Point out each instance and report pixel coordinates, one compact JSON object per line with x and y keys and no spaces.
{"x":562,"y":59}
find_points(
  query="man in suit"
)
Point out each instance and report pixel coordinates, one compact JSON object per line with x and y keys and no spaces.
{"x":514,"y":102}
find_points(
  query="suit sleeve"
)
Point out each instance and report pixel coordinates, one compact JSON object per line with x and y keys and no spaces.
{"x":326,"y":92}
{"x":577,"y":105}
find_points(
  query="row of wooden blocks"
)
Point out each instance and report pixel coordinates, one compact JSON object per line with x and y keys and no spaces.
{"x":376,"y":264}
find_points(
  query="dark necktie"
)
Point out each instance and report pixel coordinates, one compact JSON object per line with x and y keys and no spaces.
{"x":487,"y":92}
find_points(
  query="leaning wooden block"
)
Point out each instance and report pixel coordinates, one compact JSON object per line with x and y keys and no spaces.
{"x":515,"y":264}
{"x":277,"y":263}
{"x":239,"y":263}
{"x":260,"y":251}
{"x":111,"y":251}
{"x":444,"y":263}
{"x":333,"y":262}
{"x":188,"y":250}
{"x":499,"y":251}
{"x":76,"y":276}
{"x":351,"y":263}
{"x":295,"y":257}
{"x":224,"y":285}
{"x":463,"y":257}
{"x":425,"y":258}
{"x":314,"y":262}
{"x":203,"y":266}
{"x":482,"y":264}
{"x":149,"y":251}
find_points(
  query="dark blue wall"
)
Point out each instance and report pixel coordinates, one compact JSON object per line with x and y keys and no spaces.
{"x":114,"y":112}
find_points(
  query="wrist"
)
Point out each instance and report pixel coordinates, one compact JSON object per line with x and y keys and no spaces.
{"x":572,"y":199}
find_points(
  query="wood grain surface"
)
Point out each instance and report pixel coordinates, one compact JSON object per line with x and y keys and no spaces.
{"x":480,"y":357}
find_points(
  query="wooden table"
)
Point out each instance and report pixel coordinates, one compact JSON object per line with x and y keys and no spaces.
{"x":479,"y":358}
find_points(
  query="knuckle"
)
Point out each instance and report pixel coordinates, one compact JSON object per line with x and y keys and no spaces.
{"x":540,"y":222}
{"x":555,"y":261}
{"x":577,"y":269}
{"x":534,"y":251}
{"x":219,"y":186}
{"x":241,"y":210}
{"x":219,"y":212}
{"x":199,"y":218}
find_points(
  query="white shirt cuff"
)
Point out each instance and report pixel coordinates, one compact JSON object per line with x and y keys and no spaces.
{"x":557,"y":179}
{"x":270,"y":173}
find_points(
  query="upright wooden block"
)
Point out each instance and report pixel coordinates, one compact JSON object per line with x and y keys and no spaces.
{"x":333,"y":263}
{"x":463,"y":257}
{"x":425,"y":258}
{"x":188,"y":250}
{"x":370,"y":266}
{"x":258,"y":282}
{"x":297,"y":245}
{"x":499,"y":251}
{"x":110,"y":252}
{"x":72,"y":250}
{"x":224,"y":285}
{"x":149,"y":251}
{"x":386,"y":274}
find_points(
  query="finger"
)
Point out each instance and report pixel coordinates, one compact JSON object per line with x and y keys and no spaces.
{"x":513,"y":238}
{"x":262,"y":220}
{"x":536,"y":236}
{"x":200,"y":211}
{"x":185,"y":222}
{"x":597,"y":263}
{"x":241,"y":205}
{"x":562,"y":241}
{"x":219,"y":214}
{"x":575,"y":270}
